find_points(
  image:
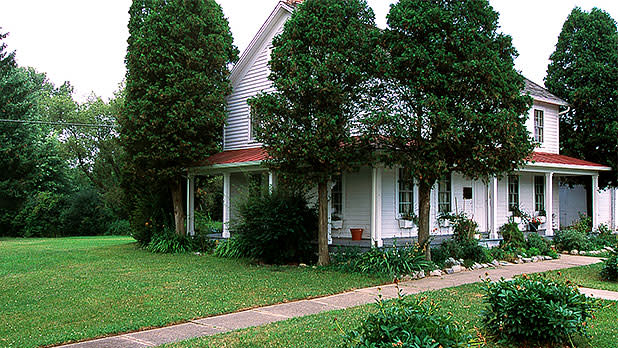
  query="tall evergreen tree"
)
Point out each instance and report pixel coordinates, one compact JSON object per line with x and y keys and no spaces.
{"x":177,"y":80}
{"x":583,"y":70}
{"x":319,"y":67}
{"x":452,"y":100}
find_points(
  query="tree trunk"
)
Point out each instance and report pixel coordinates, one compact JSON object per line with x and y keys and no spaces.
{"x":424,"y":205}
{"x":323,"y":257}
{"x":179,"y":211}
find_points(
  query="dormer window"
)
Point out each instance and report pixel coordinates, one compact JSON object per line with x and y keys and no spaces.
{"x":254,"y":122}
{"x":538,"y":125}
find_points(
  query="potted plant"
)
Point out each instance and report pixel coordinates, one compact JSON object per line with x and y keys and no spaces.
{"x":407,"y":220}
{"x":517,"y":215}
{"x":542,"y":216}
{"x":336,"y":222}
{"x":534,"y":224}
{"x":357,"y":233}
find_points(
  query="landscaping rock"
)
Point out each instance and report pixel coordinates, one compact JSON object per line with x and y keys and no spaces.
{"x":495,"y":263}
{"x":476,"y":266}
{"x":450,"y":262}
{"x":536,"y":259}
{"x":519,"y":261}
{"x":407,"y":278}
{"x":610,"y":249}
{"x":302,"y":265}
{"x":449,"y":271}
{"x":485,"y":265}
{"x":574,"y":252}
{"x":504,"y":263}
{"x":436,"y":273}
{"x":457,"y":268}
{"x":526,"y":260}
{"x":420,"y":274}
{"x":461,"y":261}
{"x":548,"y":258}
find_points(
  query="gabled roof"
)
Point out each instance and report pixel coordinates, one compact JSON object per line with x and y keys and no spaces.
{"x":542,"y":94}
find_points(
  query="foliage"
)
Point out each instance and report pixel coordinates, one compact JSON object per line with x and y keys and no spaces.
{"x":85,"y":214}
{"x":231,"y":248}
{"x":542,"y":244}
{"x":470,"y":251}
{"x":610,"y":267}
{"x":604,"y":237}
{"x":167,"y":241}
{"x":148,"y":216}
{"x":394,"y":261}
{"x":41,"y":216}
{"x":583,"y":70}
{"x":512,"y":236}
{"x":535,"y":310}
{"x":451,"y":99}
{"x":177,"y":80}
{"x":276,"y":227}
{"x":464,"y":228}
{"x":407,"y":322}
{"x":319,"y":69}
{"x":571,"y":238}
{"x":203,"y":243}
{"x":118,"y":227}
{"x":205,"y":225}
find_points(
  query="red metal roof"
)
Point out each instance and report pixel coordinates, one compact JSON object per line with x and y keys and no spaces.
{"x":237,"y":156}
{"x":552,"y":158}
{"x":259,"y":154}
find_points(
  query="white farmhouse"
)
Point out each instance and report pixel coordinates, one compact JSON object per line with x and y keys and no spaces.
{"x":373,"y":198}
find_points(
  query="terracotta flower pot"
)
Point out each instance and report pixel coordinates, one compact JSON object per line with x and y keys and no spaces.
{"x":357,"y":233}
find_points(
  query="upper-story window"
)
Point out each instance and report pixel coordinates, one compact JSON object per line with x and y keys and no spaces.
{"x":444,"y":195}
{"x":405,"y":192}
{"x":538,"y":125}
{"x":513,"y":192}
{"x":254,"y":122}
{"x":337,"y":198}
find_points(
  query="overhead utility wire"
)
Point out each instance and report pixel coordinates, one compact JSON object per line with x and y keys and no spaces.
{"x":93,"y":125}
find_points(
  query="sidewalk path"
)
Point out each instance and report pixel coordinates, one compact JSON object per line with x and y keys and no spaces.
{"x":264,"y":315}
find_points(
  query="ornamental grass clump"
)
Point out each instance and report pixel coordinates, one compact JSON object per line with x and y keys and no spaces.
{"x":407,"y":322}
{"x":535,"y":311}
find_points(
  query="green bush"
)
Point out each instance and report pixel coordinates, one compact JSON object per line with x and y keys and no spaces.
{"x":572,"y":238}
{"x":407,"y":322}
{"x":511,"y":236}
{"x":205,"y":225}
{"x":470,"y":251}
{"x":230,"y":248}
{"x":149,"y":217}
{"x":610,"y":267}
{"x":277,"y":227}
{"x":119,"y":228}
{"x":464,"y":228}
{"x":535,"y":241}
{"x":535,"y":310}
{"x":603,"y":237}
{"x":41,"y":216}
{"x":202,"y":243}
{"x":85,"y":214}
{"x":394,"y":261}
{"x":167,"y":241}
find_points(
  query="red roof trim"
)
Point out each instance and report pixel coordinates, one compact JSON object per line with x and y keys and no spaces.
{"x":553,"y":158}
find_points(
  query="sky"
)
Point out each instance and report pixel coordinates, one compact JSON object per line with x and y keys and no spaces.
{"x":84,"y":41}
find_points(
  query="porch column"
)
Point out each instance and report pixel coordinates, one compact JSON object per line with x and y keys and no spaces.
{"x":614,"y":208}
{"x":226,"y":205}
{"x":191,"y":205}
{"x":493,"y":208}
{"x":549,"y":204}
{"x":376,"y":207}
{"x":330,"y":213}
{"x":272,"y":181}
{"x":595,"y":201}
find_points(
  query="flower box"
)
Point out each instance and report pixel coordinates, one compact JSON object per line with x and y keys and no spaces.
{"x":406,"y":223}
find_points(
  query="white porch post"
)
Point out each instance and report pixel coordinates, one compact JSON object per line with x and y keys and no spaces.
{"x":191,"y":205}
{"x":330,"y":213}
{"x":226,"y":205}
{"x":595,"y":201}
{"x":272,"y":181}
{"x":549,"y":204}
{"x":493,"y":208}
{"x":614,"y":207}
{"x":376,"y":207}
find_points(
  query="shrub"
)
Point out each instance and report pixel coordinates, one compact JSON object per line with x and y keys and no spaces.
{"x":203,"y":243}
{"x":167,"y":241}
{"x":470,"y":251}
{"x":464,"y":228}
{"x":393,"y":261}
{"x":572,"y":238}
{"x":407,"y":322}
{"x":149,"y":217}
{"x":205,"y":225}
{"x":85,"y":214}
{"x":535,"y":310}
{"x":603,"y":237}
{"x":230,"y":248}
{"x":119,"y":228}
{"x":511,"y":235}
{"x":40,"y":216}
{"x":535,"y":241}
{"x":610,"y":268}
{"x":277,"y":227}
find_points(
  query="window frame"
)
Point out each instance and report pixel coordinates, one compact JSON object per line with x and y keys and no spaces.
{"x":332,"y":214}
{"x":539,"y":197}
{"x":511,"y":207}
{"x":447,"y":179}
{"x":539,"y":125}
{"x":411,"y":191}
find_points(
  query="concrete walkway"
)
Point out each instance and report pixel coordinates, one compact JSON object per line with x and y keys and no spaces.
{"x":264,"y":315}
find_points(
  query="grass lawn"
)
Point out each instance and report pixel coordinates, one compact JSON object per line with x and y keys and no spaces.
{"x":320,"y":330}
{"x":58,"y":290}
{"x":587,"y":277}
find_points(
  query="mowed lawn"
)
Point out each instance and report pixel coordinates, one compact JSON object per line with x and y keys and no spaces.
{"x":59,"y":290}
{"x":326,"y":329}
{"x":588,"y":277}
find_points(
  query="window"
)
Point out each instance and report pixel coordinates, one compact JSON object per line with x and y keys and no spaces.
{"x":406,"y":192}
{"x":444,"y":195}
{"x":254,"y":122}
{"x":513,"y":192}
{"x":337,"y":197}
{"x":539,"y":193}
{"x":538,"y":125}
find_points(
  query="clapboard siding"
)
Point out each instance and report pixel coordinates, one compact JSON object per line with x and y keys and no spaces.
{"x":255,"y":80}
{"x":551,"y":132}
